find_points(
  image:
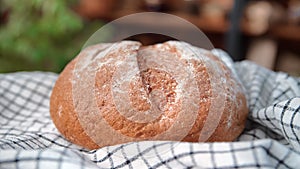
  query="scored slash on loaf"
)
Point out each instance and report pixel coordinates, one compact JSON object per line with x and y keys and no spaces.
{"x":114,"y":93}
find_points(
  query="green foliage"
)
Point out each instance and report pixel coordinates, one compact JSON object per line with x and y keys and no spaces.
{"x":39,"y":35}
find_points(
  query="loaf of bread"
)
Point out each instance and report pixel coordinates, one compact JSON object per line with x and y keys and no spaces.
{"x":120,"y":92}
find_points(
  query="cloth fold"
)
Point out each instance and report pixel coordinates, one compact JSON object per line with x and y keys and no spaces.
{"x":271,"y":139}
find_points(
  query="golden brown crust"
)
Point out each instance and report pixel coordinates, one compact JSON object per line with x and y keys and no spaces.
{"x":153,"y":89}
{"x":135,"y":129}
{"x":62,"y":110}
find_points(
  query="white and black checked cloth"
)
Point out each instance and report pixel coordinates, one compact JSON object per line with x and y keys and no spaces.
{"x":28,"y":138}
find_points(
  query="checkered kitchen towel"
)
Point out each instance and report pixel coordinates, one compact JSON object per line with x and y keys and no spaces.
{"x":28,"y":138}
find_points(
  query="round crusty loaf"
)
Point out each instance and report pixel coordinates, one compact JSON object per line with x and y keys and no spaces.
{"x":120,"y":92}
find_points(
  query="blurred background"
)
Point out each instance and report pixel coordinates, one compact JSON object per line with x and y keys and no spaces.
{"x":46,"y":35}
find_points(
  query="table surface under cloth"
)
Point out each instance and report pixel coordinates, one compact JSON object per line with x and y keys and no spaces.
{"x":29,"y":139}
